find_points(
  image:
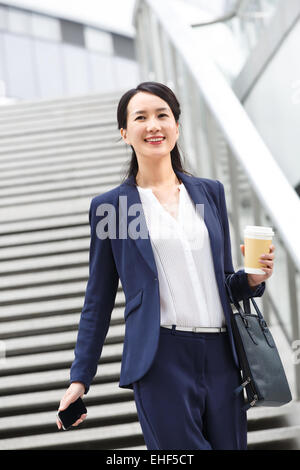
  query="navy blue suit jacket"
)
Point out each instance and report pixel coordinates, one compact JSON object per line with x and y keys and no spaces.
{"x":132,"y":261}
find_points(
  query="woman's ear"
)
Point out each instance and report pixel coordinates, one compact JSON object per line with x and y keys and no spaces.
{"x":124,"y":135}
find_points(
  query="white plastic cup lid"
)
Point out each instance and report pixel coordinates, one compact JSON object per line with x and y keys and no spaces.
{"x":258,"y":230}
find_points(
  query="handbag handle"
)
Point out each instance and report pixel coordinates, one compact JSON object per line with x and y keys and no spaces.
{"x":246,"y":303}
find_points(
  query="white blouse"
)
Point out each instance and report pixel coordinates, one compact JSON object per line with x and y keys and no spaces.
{"x":189,"y":294}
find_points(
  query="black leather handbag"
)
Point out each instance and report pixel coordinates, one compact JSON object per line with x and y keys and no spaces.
{"x":262,"y":373}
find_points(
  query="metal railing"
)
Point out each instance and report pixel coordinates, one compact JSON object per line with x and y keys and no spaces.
{"x":219,"y":141}
{"x":246,"y":19}
{"x":252,"y":17}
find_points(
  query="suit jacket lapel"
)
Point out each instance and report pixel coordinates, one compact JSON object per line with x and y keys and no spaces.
{"x":129,"y":190}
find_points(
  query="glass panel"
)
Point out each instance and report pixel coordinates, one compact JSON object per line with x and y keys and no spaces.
{"x":18,"y":53}
{"x":98,"y":41}
{"x":3,"y":18}
{"x":19,"y":21}
{"x":76,"y":70}
{"x":49,"y":69}
{"x":2,"y":69}
{"x":102,"y":73}
{"x":44,"y":27}
{"x":126,"y":73}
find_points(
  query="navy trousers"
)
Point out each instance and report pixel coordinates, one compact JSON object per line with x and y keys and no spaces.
{"x":186,"y":401}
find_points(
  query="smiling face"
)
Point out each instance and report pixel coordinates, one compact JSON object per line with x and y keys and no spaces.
{"x":149,"y":116}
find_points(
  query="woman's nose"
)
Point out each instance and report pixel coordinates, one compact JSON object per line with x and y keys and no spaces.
{"x":153,"y":124}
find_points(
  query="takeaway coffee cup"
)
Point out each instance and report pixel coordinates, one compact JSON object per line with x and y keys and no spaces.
{"x":257,"y":240}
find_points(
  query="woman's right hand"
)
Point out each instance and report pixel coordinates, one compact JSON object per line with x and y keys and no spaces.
{"x":75,"y":390}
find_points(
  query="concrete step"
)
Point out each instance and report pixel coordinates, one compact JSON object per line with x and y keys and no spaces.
{"x":53,"y":117}
{"x":38,"y":249}
{"x":31,"y":183}
{"x":45,"y":105}
{"x":55,"y":113}
{"x":31,"y":294}
{"x":101,"y":155}
{"x":49,"y":283}
{"x":54,"y":341}
{"x":70,"y":155}
{"x":99,"y":438}
{"x":51,"y":324}
{"x":41,"y":422}
{"x":67,"y":204}
{"x":42,"y":262}
{"x":43,"y":278}
{"x":59,"y":124}
{"x":52,"y":114}
{"x":60,"y":153}
{"x":61,"y":194}
{"x":35,"y":326}
{"x":44,"y":223}
{"x":56,"y":307}
{"x":89,"y":177}
{"x":284,"y":438}
{"x":59,"y":138}
{"x":47,"y":380}
{"x":50,"y":399}
{"x":49,"y":235}
{"x":53,"y":360}
{"x":66,"y":171}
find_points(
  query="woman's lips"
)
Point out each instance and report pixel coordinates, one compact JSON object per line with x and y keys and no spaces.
{"x":155,"y":143}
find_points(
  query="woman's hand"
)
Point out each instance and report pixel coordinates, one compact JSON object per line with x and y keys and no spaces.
{"x":75,"y":390}
{"x":268,"y":261}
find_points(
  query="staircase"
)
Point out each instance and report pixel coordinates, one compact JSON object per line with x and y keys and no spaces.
{"x":54,"y":157}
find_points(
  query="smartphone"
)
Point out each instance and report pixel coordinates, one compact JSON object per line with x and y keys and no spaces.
{"x":71,"y":414}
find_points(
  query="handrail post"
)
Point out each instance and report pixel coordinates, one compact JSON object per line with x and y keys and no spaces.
{"x":156,"y":49}
{"x":140,"y":47}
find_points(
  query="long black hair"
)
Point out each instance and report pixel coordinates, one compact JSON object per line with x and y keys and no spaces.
{"x":167,"y":95}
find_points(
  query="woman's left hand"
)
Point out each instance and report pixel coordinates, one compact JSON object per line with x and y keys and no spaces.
{"x":268,"y":261}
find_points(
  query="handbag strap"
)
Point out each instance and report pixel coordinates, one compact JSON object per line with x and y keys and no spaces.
{"x":246,"y":302}
{"x":231,"y":297}
{"x":259,"y":314}
{"x":247,"y":308}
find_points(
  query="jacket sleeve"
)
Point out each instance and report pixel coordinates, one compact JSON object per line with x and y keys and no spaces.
{"x":99,"y":302}
{"x":238,"y":281}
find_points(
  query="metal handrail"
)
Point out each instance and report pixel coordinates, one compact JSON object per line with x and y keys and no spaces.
{"x":214,"y":121}
{"x":222,"y":18}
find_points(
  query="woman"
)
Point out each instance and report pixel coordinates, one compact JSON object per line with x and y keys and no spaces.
{"x":179,"y":356}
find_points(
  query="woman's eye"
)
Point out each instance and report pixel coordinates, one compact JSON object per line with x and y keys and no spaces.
{"x":144,"y":116}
